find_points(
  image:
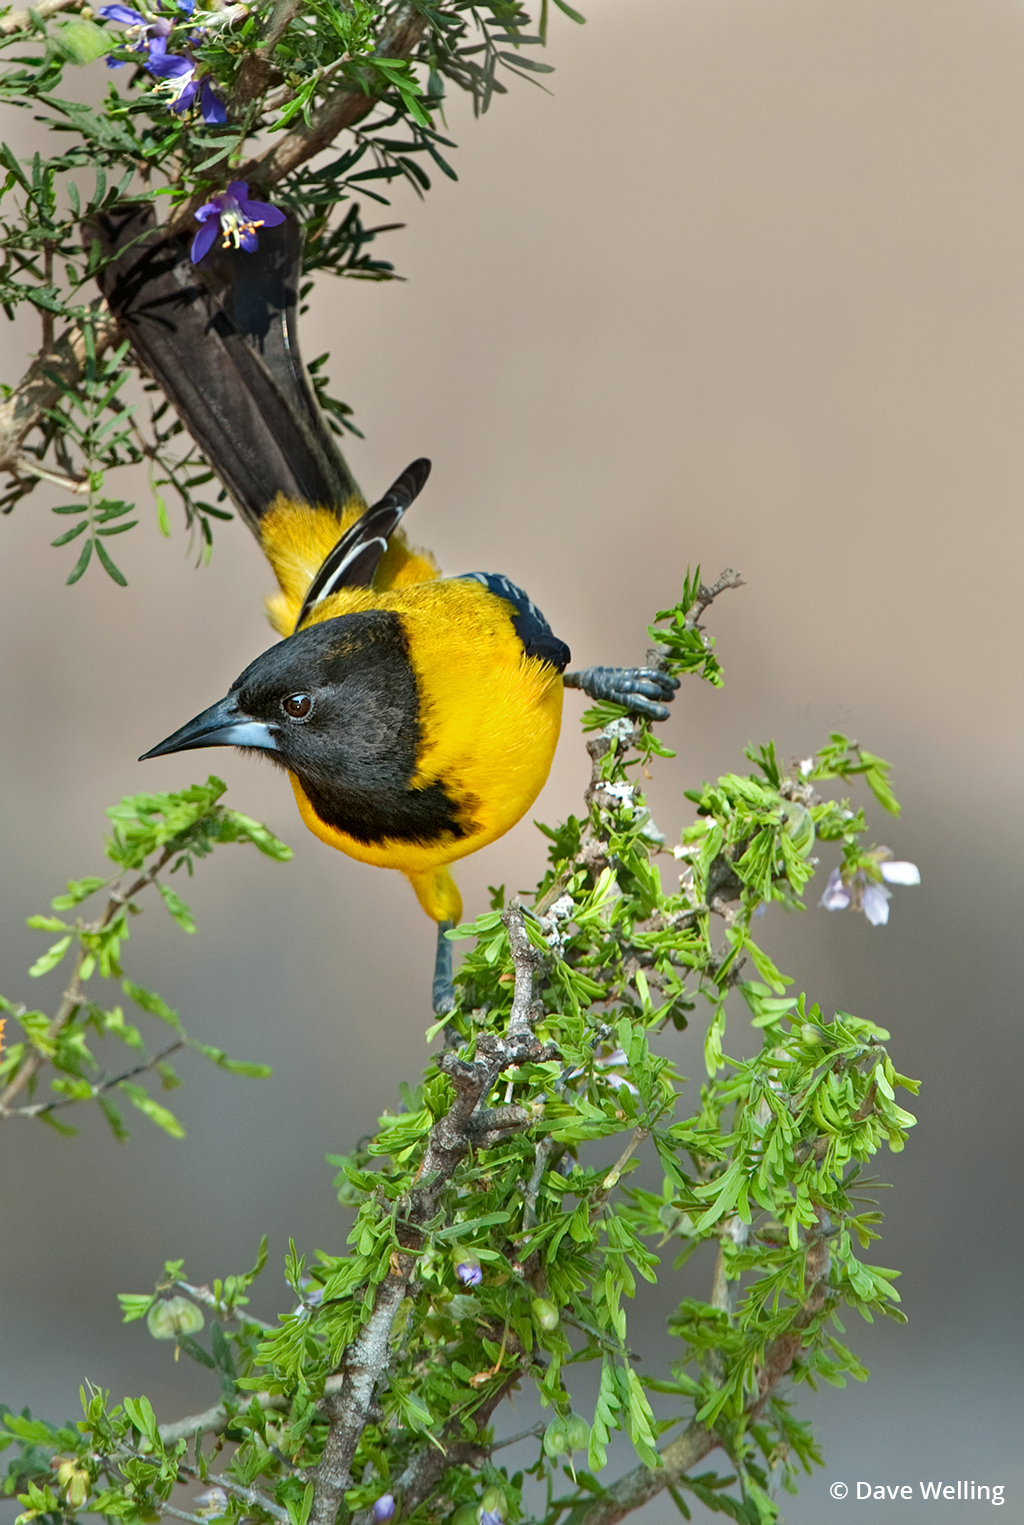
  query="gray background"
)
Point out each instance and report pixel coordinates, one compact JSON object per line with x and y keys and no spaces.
{"x":746,"y":289}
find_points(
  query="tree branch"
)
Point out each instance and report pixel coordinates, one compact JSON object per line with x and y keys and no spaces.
{"x":366,"y":1360}
{"x":98,"y":1087}
{"x":24,"y":409}
{"x":51,"y":373}
{"x":19,"y":21}
{"x":74,"y":995}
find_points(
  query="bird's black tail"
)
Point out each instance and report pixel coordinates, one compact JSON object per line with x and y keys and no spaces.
{"x":222,"y":342}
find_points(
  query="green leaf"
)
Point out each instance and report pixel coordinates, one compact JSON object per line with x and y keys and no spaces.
{"x":177,"y":907}
{"x":51,"y":958}
{"x":109,"y":566}
{"x":152,"y":1109}
{"x":151,"y":1002}
{"x":82,"y":562}
{"x":80,"y":42}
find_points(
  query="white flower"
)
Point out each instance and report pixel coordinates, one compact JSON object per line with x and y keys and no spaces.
{"x":861,"y":893}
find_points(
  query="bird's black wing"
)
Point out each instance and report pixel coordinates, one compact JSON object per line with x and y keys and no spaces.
{"x":538,"y":639}
{"x":353,"y":561}
{"x":222,"y":342}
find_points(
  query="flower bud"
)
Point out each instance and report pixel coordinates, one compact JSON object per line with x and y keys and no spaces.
{"x":383,"y":1508}
{"x":493,"y":1503}
{"x":75,"y":1482}
{"x":172,"y":1317}
{"x":545,"y":1314}
{"x":799,"y":828}
{"x":577,"y":1433}
{"x":555,"y":1440}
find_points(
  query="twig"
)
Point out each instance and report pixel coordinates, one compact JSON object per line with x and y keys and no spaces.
{"x":696,"y":1442}
{"x":426,"y":1469}
{"x":526,"y":960}
{"x":204,"y":1295}
{"x":182,"y":1514}
{"x":215,"y":1420}
{"x":74,"y":995}
{"x":706,"y":595}
{"x":366,"y":1360}
{"x":640,"y":1136}
{"x":97,"y":1090}
{"x":341,"y":110}
{"x":24,"y":465}
{"x":51,"y":373}
{"x":23,"y":410}
{"x":19,"y":21}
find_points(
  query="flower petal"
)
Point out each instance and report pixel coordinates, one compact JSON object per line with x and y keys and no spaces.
{"x":169,"y":65}
{"x":116,"y":63}
{"x":836,"y":896}
{"x":211,"y":105}
{"x":248,"y":241}
{"x":875,"y":901}
{"x":204,"y":239}
{"x":901,"y":873}
{"x":239,"y":189}
{"x":122,"y":13}
{"x":261,"y":211}
{"x":383,"y":1508}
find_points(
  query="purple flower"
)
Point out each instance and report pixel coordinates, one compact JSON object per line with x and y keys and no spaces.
{"x":862,"y":892}
{"x":383,"y":1508}
{"x":491,"y":1517}
{"x":234,"y":214}
{"x":469,"y":1273}
{"x":144,"y":35}
{"x":179,"y":83}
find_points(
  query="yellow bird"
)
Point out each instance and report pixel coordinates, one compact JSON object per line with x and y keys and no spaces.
{"x":416,"y":715}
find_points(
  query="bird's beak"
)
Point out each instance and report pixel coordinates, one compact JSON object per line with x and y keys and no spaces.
{"x":222,"y":725}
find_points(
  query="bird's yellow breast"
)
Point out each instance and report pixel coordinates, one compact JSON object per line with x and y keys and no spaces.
{"x":489,"y":716}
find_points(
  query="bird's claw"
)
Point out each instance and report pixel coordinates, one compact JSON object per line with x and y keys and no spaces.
{"x":644,"y":690}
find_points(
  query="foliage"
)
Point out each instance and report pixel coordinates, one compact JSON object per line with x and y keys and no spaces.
{"x":151,"y":833}
{"x":502,"y":1244}
{"x":286,"y":78}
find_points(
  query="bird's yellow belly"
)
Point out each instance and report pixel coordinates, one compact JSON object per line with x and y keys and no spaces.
{"x":495,"y":782}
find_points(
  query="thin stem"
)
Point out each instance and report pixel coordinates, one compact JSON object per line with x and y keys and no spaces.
{"x":98,"y":1089}
{"x":74,"y":995}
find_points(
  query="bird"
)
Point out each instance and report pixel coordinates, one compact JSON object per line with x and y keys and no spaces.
{"x":415,"y":714}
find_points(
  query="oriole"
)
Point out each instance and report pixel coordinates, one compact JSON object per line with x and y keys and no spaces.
{"x":416,"y":715}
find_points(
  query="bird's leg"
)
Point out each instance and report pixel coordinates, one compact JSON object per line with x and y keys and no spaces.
{"x":644,"y":690}
{"x":444,"y":990}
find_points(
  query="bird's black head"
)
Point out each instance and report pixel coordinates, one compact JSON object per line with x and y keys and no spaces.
{"x":338,"y":706}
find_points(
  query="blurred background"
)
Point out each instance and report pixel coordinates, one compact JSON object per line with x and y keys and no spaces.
{"x":745,"y":289}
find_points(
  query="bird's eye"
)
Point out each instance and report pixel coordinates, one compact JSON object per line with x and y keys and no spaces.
{"x":297,"y":706}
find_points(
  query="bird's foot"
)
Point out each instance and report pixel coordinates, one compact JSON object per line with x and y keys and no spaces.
{"x":644,"y":690}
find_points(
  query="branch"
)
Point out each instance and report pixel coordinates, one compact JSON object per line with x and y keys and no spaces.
{"x":98,"y":1089}
{"x":74,"y":995}
{"x":367,"y":1358}
{"x":425,"y":1471}
{"x":706,"y":595}
{"x":52,"y":372}
{"x":341,"y":110}
{"x":633,"y":1490}
{"x":24,"y":409}
{"x":20,"y":21}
